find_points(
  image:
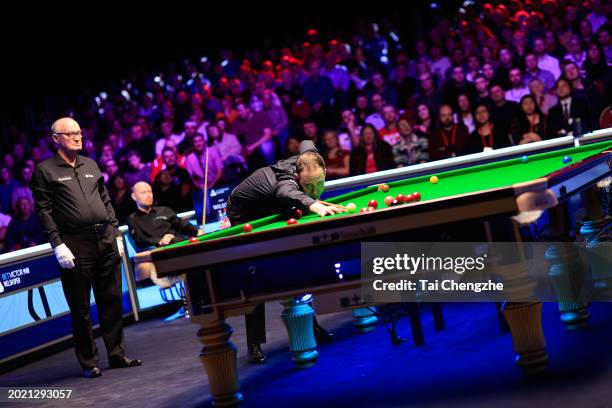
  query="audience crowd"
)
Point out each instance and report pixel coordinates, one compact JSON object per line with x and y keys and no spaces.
{"x":498,"y":74}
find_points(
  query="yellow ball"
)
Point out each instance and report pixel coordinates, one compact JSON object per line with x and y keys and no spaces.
{"x":433,"y":179}
{"x":351,"y":207}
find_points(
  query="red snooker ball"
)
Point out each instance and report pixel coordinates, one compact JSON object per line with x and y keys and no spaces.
{"x":247,"y":228}
{"x":408,"y":198}
{"x":363,"y":210}
{"x":401,"y":198}
{"x":291,"y":221}
{"x":417,"y":196}
{"x":373,"y":203}
{"x":298,"y":213}
{"x":389,"y":200}
{"x":193,"y":239}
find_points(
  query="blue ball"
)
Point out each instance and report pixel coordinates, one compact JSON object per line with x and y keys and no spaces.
{"x":567,"y":159}
{"x":525,"y":159}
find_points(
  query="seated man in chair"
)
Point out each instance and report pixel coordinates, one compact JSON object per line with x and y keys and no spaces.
{"x":152,"y":226}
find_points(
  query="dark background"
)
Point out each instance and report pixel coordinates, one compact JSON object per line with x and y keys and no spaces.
{"x":50,"y":57}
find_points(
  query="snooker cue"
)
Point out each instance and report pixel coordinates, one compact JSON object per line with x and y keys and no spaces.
{"x":205,"y":191}
{"x":326,"y":203}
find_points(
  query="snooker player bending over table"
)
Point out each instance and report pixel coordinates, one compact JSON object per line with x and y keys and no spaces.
{"x":297,"y":182}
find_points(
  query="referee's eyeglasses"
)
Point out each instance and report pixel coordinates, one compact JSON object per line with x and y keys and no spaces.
{"x":72,"y":135}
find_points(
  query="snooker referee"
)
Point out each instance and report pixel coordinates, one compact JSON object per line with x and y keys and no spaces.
{"x":76,"y":213}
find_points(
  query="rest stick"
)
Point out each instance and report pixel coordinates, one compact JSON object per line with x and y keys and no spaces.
{"x":205,"y":191}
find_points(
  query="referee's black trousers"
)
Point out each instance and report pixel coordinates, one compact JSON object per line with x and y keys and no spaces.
{"x":97,"y":265}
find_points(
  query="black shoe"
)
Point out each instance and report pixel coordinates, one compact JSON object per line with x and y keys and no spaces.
{"x":92,"y":372}
{"x":322,"y":335}
{"x":256,"y":356}
{"x":123,"y":362}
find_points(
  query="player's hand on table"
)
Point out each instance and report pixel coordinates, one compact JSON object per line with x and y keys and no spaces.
{"x":64,"y":256}
{"x":322,"y":210}
{"x":166,"y":239}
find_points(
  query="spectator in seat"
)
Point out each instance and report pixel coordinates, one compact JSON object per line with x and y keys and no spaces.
{"x":544,"y":99}
{"x":389,"y":132}
{"x":481,"y":83}
{"x":533,"y":71}
{"x":254,"y":129}
{"x":167,"y":136}
{"x":25,"y":229}
{"x":485,"y":136}
{"x":449,"y":139}
{"x":518,"y":88}
{"x":174,"y":188}
{"x":292,"y":147}
{"x":371,"y":154}
{"x":464,"y":113}
{"x":546,"y":62}
{"x":348,"y":133}
{"x":311,"y":132}
{"x":563,"y":115}
{"x":530,"y":125}
{"x":502,"y":111}
{"x":7,"y":185}
{"x":413,"y":148}
{"x":424,"y":122}
{"x":5,"y":219}
{"x":336,"y":158}
{"x":376,"y":118}
{"x":196,"y":165}
{"x":136,"y":170}
{"x":456,"y":86}
{"x":120,"y":197}
{"x":154,"y":226}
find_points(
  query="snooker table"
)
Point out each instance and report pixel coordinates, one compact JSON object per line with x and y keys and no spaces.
{"x":229,"y":272}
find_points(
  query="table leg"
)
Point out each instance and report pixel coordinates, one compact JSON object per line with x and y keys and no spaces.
{"x":525,"y":323}
{"x":219,"y":358}
{"x":566,"y":275}
{"x":597,"y":236}
{"x":565,"y":271}
{"x":364,"y":319}
{"x":298,"y":318}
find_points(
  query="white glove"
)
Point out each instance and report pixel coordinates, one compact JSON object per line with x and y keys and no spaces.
{"x":121,"y":246}
{"x":64,"y":256}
